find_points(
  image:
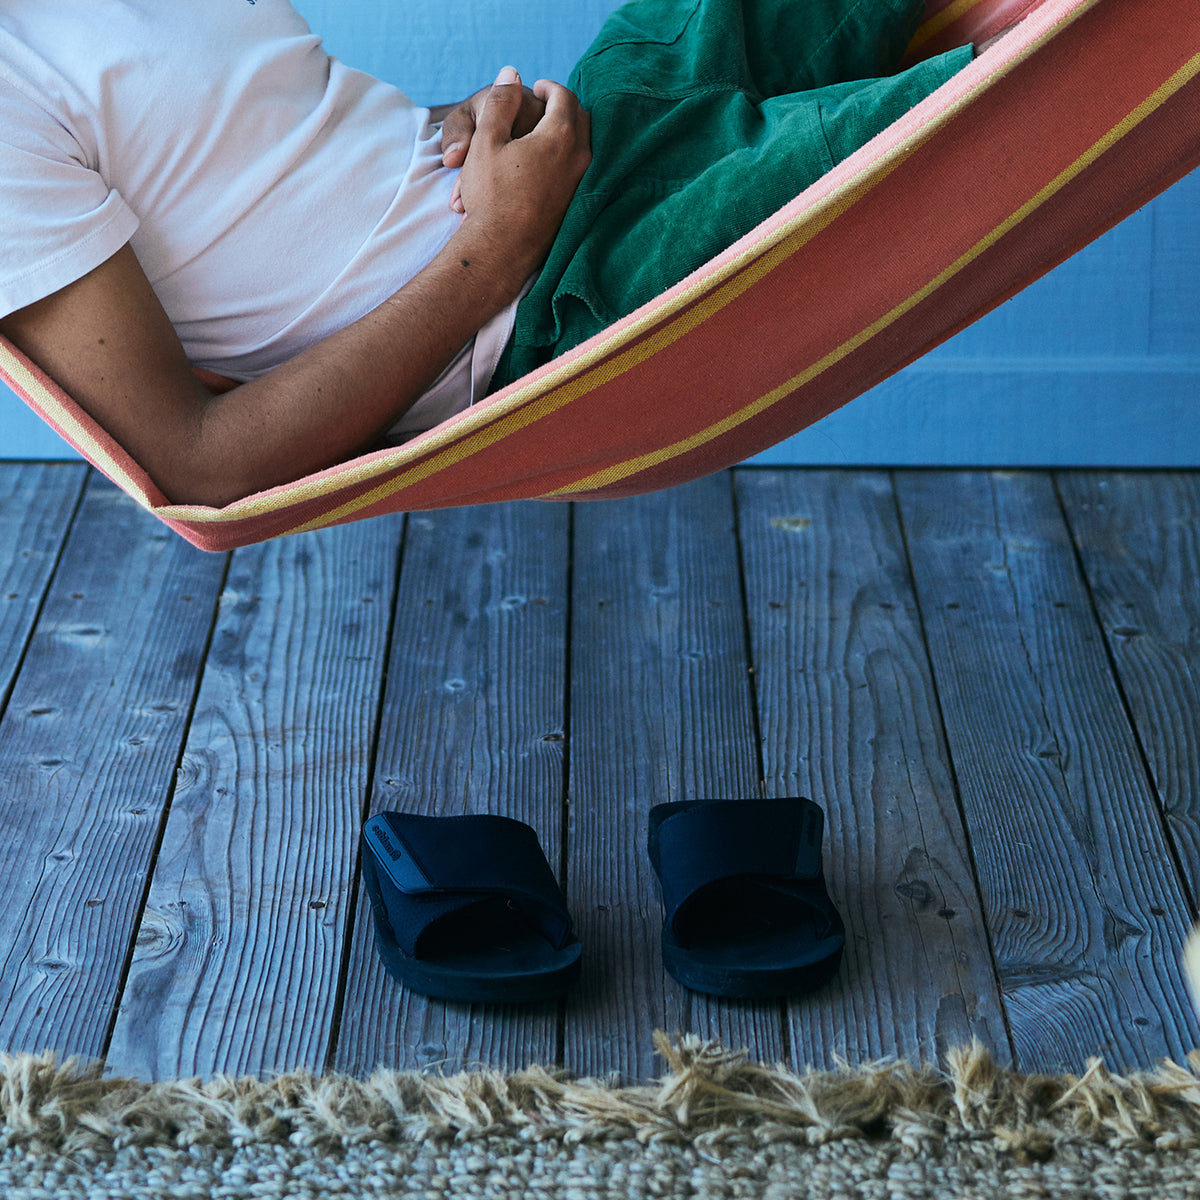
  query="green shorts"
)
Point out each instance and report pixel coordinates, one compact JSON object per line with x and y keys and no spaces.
{"x":707,"y":117}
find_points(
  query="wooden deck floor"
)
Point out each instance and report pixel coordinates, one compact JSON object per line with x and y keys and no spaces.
{"x":989,"y":680}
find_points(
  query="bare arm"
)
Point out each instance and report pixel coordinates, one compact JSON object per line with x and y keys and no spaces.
{"x":108,"y":342}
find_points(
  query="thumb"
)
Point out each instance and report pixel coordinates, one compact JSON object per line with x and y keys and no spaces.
{"x":503,"y":104}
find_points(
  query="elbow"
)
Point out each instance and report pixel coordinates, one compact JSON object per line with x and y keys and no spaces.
{"x":203,"y":493}
{"x":207,"y":479}
{"x":197,"y":473}
{"x":214,"y":456}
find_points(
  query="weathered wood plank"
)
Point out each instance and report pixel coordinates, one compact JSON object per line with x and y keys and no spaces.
{"x":88,"y":750}
{"x":37,"y":501}
{"x":849,"y":718}
{"x":1139,"y":540}
{"x":661,"y":709}
{"x":472,"y":722}
{"x":241,"y":945}
{"x":1070,"y":852}
{"x":1080,"y":887}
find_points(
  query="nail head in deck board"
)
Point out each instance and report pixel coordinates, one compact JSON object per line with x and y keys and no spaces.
{"x":1062,"y":821}
{"x":87,"y":753}
{"x":471,"y":722}
{"x":240,"y":949}
{"x":37,"y":501}
{"x":1139,"y":541}
{"x":849,"y":718}
{"x":661,"y":710}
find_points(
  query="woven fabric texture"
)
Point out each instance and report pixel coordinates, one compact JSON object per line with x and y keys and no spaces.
{"x":1083,"y":113}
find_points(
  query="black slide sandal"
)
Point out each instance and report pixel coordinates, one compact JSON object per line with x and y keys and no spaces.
{"x":747,"y":913}
{"x":467,"y":908}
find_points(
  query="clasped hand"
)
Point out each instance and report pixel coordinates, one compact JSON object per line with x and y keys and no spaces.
{"x":522,"y":152}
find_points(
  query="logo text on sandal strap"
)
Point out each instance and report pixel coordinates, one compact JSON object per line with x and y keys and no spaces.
{"x":386,"y":842}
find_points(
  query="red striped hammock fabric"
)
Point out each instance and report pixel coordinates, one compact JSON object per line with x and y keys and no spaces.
{"x":1078,"y":117}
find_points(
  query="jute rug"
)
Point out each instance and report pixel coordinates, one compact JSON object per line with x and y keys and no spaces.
{"x":716,"y":1125}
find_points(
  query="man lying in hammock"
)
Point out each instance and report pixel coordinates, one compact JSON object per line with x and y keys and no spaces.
{"x":199,"y":184}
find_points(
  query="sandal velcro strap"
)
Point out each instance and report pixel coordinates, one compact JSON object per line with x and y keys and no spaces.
{"x":444,"y":864}
{"x":706,"y":842}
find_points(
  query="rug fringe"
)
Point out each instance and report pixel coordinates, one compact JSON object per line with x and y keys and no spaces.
{"x":709,"y":1096}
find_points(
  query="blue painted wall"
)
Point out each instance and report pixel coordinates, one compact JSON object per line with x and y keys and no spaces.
{"x":1098,"y":363}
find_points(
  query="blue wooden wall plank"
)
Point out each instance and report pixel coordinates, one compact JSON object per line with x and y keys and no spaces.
{"x":1050,"y":413}
{"x":1097,"y":364}
{"x":1099,"y":302}
{"x":1175,"y":270}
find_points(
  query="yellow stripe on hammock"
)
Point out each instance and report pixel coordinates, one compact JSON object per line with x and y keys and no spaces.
{"x":939,"y":21}
{"x":621,"y":471}
{"x":791,"y":237}
{"x":25,"y":381}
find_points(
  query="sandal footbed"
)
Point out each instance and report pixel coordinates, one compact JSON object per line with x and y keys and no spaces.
{"x":749,"y":937}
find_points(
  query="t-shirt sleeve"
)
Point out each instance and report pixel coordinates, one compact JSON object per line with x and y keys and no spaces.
{"x":58,"y":218}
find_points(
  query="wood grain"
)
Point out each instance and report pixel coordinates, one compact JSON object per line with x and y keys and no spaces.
{"x":515,"y":663}
{"x":1139,"y":542}
{"x":472,"y":721}
{"x":661,"y":709}
{"x":1072,"y":861}
{"x":88,"y":750}
{"x":242,"y":939}
{"x":850,"y":718}
{"x":37,"y":501}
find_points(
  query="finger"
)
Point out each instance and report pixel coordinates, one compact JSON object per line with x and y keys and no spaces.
{"x":554,"y":94}
{"x":455,"y":144}
{"x":456,"y":203}
{"x":562,"y":107}
{"x":532,"y":111}
{"x":455,"y":154}
{"x":502,"y":106}
{"x":566,"y":115}
{"x":459,"y":127}
{"x":457,"y":130}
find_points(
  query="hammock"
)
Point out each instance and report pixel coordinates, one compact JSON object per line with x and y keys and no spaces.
{"x":1072,"y":121}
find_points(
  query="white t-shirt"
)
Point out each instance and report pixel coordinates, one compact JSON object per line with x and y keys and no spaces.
{"x":271,"y":194}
